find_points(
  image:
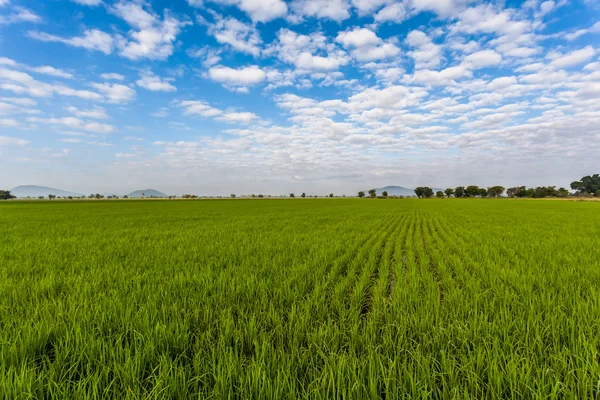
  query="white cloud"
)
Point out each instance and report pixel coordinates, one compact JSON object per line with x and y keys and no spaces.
{"x":11,"y":141}
{"x":308,"y":52}
{"x":21,"y":82}
{"x":367,"y":7}
{"x":155,"y":83}
{"x":198,"y":107}
{"x":238,"y":117}
{"x":482,"y":59}
{"x":208,"y":55}
{"x":4,"y":2}
{"x":336,"y":10}
{"x":75,"y":123}
{"x":241,"y":37}
{"x":443,"y":8}
{"x":239,"y":78}
{"x":112,"y":77}
{"x":393,"y":13}
{"x":151,"y":37}
{"x":447,"y":76}
{"x":574,"y":58}
{"x":7,"y":61}
{"x":358,"y":37}
{"x":95,"y":113}
{"x":426,"y":53}
{"x":263,"y":10}
{"x":20,"y":15}
{"x":114,"y":92}
{"x":580,"y":32}
{"x":47,"y":70}
{"x":92,"y":39}
{"x":366,"y":46}
{"x":21,"y":101}
{"x":88,"y":2}
{"x":257,"y":10}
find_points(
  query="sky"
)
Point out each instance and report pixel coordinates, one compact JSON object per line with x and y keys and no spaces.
{"x":214,"y":97}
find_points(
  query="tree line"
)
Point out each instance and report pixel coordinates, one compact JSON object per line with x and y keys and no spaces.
{"x":587,"y":186}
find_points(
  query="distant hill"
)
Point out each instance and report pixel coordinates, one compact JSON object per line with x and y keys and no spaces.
{"x":36,"y":191}
{"x":146,"y":193}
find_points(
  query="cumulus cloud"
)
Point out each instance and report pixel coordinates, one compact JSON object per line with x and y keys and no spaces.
{"x":366,"y":46}
{"x":151,"y":37}
{"x":574,"y":58}
{"x":88,"y":2}
{"x":92,"y":39}
{"x":155,"y":83}
{"x":426,"y":54}
{"x":237,"y":79}
{"x":18,"y":15}
{"x":239,"y":36}
{"x":47,"y":70}
{"x":112,"y":77}
{"x":115,"y":92}
{"x":11,"y":141}
{"x":308,"y":52}
{"x":257,"y":10}
{"x":75,"y":123}
{"x":337,"y":10}
{"x":482,"y":59}
{"x":395,"y":12}
{"x":95,"y":113}
{"x":22,"y":83}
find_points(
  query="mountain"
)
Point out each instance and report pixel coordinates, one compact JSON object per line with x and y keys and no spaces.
{"x":395,"y":191}
{"x":36,"y":191}
{"x":147,"y":193}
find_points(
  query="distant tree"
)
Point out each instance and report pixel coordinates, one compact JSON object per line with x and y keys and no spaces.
{"x":125,"y":197}
{"x":587,"y":184}
{"x":449,"y":192}
{"x":303,"y":195}
{"x":292,"y":195}
{"x":331,"y":195}
{"x":373,"y":193}
{"x":98,"y":196}
{"x":260,"y":196}
{"x":562,"y":192}
{"x":384,"y":193}
{"x":253,"y":195}
{"x":439,"y":194}
{"x":91,"y":196}
{"x":482,"y":192}
{"x":232,"y":196}
{"x":424,"y":191}
{"x":512,"y":192}
{"x":51,"y":196}
{"x":41,"y":197}
{"x":598,"y":193}
{"x":143,"y":195}
{"x":70,"y":197}
{"x":5,"y":195}
{"x":459,"y":191}
{"x":361,"y":194}
{"x":495,"y":191}
{"x":472,"y":191}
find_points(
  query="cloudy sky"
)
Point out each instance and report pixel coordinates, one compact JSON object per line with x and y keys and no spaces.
{"x":273,"y":96}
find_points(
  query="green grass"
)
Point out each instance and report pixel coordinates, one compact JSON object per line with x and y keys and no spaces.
{"x":292,"y":299}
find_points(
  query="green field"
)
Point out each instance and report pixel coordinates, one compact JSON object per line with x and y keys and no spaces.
{"x":291,"y":299}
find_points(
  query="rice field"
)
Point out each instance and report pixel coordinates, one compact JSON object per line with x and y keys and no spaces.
{"x":300,"y":299}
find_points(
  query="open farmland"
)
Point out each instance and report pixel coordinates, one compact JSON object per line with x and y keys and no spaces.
{"x":288,"y":299}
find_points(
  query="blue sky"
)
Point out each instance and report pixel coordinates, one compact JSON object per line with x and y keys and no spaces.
{"x":273,"y":96}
